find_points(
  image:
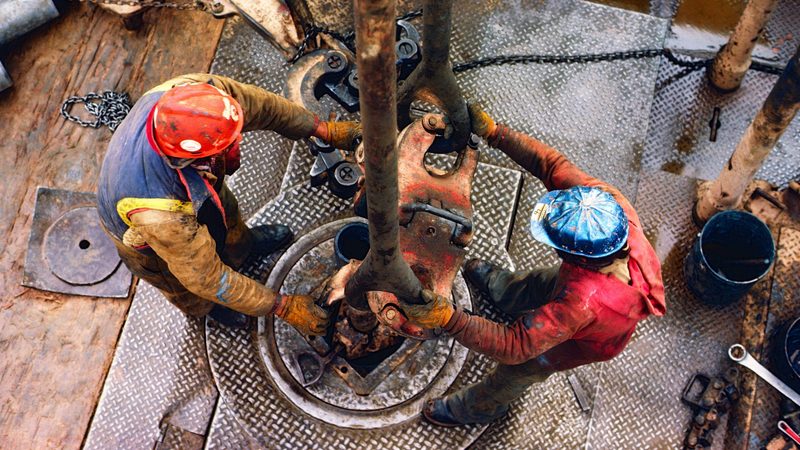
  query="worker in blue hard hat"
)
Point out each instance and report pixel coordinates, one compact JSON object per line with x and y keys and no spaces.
{"x":581,"y":311}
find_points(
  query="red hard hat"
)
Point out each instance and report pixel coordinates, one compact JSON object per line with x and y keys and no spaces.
{"x":196,"y":120}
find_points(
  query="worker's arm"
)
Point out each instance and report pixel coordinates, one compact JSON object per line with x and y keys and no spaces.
{"x":531,"y":335}
{"x":538,"y":158}
{"x":264,"y":110}
{"x":528,"y":337}
{"x":190,"y":253}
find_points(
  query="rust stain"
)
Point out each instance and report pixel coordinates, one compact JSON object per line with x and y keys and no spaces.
{"x":642,"y":6}
{"x":675,"y":167}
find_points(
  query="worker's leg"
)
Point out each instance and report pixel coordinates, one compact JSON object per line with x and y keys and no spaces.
{"x":488,"y":399}
{"x":241,"y":240}
{"x":517,"y":292}
{"x":154,"y":270}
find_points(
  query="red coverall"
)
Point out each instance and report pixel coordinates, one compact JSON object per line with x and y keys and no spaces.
{"x":580,"y":316}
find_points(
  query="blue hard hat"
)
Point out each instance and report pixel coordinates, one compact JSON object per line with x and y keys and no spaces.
{"x":581,"y":221}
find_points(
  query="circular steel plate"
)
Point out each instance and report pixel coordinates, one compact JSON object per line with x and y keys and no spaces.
{"x":77,"y":250}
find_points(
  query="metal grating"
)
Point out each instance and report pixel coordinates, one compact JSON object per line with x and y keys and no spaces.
{"x":679,"y":132}
{"x":247,"y":57}
{"x":594,"y":113}
{"x":159,"y":372}
{"x":643,"y":385}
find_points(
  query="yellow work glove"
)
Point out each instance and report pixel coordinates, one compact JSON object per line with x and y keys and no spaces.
{"x":339,"y":134}
{"x":301,"y":312}
{"x":436,"y":311}
{"x":481,"y":123}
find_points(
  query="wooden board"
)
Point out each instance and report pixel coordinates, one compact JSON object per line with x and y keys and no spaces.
{"x":56,"y":349}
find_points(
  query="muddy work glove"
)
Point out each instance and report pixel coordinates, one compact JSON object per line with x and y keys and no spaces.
{"x":342,"y":135}
{"x":481,"y":123}
{"x":436,"y":311}
{"x":301,"y":312}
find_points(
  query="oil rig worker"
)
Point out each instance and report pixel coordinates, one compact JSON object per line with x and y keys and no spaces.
{"x":579,"y":312}
{"x":163,"y":201}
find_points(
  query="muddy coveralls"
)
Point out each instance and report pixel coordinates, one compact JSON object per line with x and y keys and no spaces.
{"x":181,"y":230}
{"x":568,"y":315}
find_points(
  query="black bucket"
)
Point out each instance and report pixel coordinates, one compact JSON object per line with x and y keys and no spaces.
{"x":786,"y":354}
{"x":733,"y":251}
{"x":351,"y":242}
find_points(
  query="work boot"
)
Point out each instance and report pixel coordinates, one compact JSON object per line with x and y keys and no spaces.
{"x":269,"y":238}
{"x":437,"y":413}
{"x":229,"y":318}
{"x":478,"y":272}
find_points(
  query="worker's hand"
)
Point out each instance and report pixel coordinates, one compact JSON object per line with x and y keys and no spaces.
{"x":301,"y":312}
{"x":339,"y":280}
{"x":342,"y":135}
{"x":481,"y":123}
{"x":436,"y":311}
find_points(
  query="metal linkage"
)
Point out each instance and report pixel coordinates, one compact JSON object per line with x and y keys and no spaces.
{"x":348,"y":39}
{"x":109,"y":108}
{"x":384,"y":269}
{"x":624,"y":55}
{"x":433,"y":81}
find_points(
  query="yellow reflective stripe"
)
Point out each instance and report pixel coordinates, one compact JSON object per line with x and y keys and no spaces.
{"x":128,"y":204}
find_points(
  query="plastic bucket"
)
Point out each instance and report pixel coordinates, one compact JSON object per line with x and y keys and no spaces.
{"x":351,"y":242}
{"x":733,"y":251}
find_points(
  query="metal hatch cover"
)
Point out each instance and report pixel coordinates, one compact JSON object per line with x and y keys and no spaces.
{"x":68,"y":252}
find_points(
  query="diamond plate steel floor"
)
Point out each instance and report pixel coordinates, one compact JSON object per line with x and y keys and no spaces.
{"x":597,"y":114}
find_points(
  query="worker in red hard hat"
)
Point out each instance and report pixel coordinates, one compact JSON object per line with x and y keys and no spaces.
{"x":579,"y":312}
{"x":163,"y":201}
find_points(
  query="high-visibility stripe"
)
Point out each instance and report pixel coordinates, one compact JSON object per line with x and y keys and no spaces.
{"x":128,"y":204}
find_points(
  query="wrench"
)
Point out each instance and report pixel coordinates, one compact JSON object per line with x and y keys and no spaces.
{"x":738,"y":353}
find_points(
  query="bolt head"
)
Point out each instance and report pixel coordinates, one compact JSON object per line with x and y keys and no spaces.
{"x":334,"y":61}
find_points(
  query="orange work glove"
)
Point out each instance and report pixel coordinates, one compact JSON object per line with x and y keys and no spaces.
{"x":436,"y":311}
{"x":481,"y":123}
{"x":339,"y":134}
{"x":301,"y":312}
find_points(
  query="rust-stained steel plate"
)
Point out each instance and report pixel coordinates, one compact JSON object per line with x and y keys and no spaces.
{"x":68,"y":252}
{"x":77,"y":250}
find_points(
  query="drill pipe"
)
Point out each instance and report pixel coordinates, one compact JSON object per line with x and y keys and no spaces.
{"x":384,"y":268}
{"x":779,"y":109}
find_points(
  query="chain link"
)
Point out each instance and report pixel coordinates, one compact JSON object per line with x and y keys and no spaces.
{"x":109,"y":108}
{"x":190,"y":5}
{"x":575,"y":59}
{"x":690,"y":65}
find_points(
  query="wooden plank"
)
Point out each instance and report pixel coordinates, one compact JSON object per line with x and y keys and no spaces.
{"x":56,"y":349}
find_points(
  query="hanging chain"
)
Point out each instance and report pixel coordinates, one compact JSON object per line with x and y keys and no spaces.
{"x":690,"y":65}
{"x":109,"y":108}
{"x":194,"y":4}
{"x":211,"y":6}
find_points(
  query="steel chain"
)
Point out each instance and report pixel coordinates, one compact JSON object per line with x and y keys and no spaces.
{"x":109,"y":108}
{"x":194,"y":4}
